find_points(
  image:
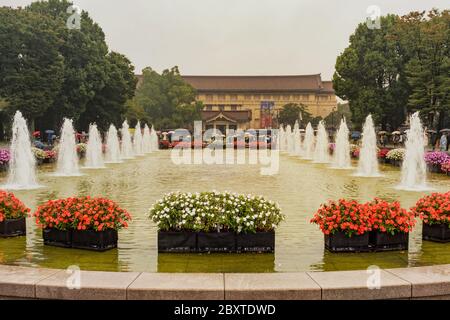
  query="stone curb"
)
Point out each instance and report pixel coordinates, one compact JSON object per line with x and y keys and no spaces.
{"x":404,"y":283}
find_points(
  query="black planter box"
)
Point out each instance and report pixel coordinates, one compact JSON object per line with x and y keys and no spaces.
{"x":81,"y":239}
{"x":94,"y":240}
{"x":434,"y":168}
{"x":381,"y":241}
{"x":216,"y":242}
{"x":57,"y":238}
{"x":255,"y":242}
{"x":13,"y":228}
{"x":339,"y":242}
{"x":177,"y":241}
{"x":436,"y":232}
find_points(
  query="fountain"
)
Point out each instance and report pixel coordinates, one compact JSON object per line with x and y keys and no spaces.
{"x":112,"y":146}
{"x":137,"y":140}
{"x":289,"y":139}
{"x":297,"y":140}
{"x":414,"y":169}
{"x":126,"y":150}
{"x":146,"y":140}
{"x":67,"y":163}
{"x":321,"y":152}
{"x":282,"y":139}
{"x":309,"y":141}
{"x":22,"y":165}
{"x":154,"y":139}
{"x":368,"y":159}
{"x":94,"y":149}
{"x":341,"y":156}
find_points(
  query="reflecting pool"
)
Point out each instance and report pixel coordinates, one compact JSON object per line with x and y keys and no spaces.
{"x":299,"y":187}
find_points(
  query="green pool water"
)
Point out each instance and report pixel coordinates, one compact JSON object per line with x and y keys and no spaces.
{"x":299,"y":187}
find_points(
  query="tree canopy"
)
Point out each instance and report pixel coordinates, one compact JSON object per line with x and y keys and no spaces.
{"x":167,"y":100}
{"x":292,"y":112}
{"x":49,"y":71}
{"x":397,"y":69}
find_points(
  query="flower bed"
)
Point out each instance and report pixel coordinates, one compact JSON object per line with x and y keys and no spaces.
{"x":354,"y":151}
{"x":445,"y":167}
{"x":39,"y":155}
{"x":5,"y":157}
{"x":350,"y":226}
{"x":84,"y":223}
{"x":391,"y":225}
{"x":435,"y":160}
{"x":395,"y":156}
{"x":12,"y":215}
{"x":81,"y":150}
{"x":434,"y":211}
{"x":215,"y":222}
{"x":50,"y":156}
{"x":345,"y":224}
{"x":382,"y":155}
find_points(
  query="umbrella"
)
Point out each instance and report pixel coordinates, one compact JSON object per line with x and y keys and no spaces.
{"x":382,"y":132}
{"x":445,"y":130}
{"x":356,"y":135}
{"x":396,"y":132}
{"x":431,"y":131}
{"x":49,"y":131}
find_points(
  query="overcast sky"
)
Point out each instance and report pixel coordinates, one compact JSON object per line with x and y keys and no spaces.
{"x":260,"y":37}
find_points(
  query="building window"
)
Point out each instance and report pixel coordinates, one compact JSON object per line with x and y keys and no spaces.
{"x":208,"y":107}
{"x":257,"y":97}
{"x":233,"y":97}
{"x":209,"y":97}
{"x":276,"y":97}
{"x":248,"y":97}
{"x":305,"y":97}
{"x":287,"y":97}
{"x":221,"y":107}
{"x":233,"y":107}
{"x":267,"y":96}
{"x":221,"y":97}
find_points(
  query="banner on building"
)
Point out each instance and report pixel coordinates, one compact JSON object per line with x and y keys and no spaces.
{"x":266,"y":114}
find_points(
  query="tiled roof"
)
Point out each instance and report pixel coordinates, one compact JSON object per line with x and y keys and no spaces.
{"x":305,"y":83}
{"x":238,"y":116}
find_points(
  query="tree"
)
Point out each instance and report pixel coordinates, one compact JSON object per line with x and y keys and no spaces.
{"x":428,"y":70}
{"x":370,"y":74}
{"x":31,"y":67}
{"x":84,"y":52}
{"x":167,"y":99}
{"x":292,"y":112}
{"x":342,"y":111}
{"x":109,"y":104}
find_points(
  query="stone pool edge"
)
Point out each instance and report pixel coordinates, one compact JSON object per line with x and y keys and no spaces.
{"x":432,"y":282}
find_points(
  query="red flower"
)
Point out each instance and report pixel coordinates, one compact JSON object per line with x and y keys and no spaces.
{"x":11,"y":207}
{"x":352,"y":217}
{"x":434,"y":209}
{"x":81,"y":214}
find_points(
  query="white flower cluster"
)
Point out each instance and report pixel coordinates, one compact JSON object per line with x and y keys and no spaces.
{"x":215,"y":211}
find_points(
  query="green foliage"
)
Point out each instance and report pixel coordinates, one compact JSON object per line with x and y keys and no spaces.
{"x":370,"y":74}
{"x":167,"y":99}
{"x":291,"y":113}
{"x":49,"y":71}
{"x":31,"y":68}
{"x":214,"y":211}
{"x":400,"y":68}
{"x":428,"y":70}
{"x":334,"y":118}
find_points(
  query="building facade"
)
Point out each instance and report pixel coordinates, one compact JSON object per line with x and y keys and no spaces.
{"x":253,"y":102}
